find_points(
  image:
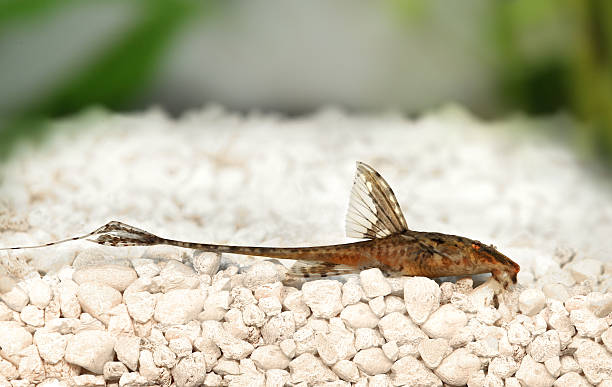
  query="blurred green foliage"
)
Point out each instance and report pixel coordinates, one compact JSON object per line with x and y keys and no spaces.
{"x":113,"y":78}
{"x":557,"y":54}
{"x":551,"y":55}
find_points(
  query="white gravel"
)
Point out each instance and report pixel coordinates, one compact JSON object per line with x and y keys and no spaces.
{"x":164,"y":315}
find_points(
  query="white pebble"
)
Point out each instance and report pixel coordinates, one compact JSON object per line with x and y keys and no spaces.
{"x":367,"y":337}
{"x":51,"y":345}
{"x":532,"y":373}
{"x":556,"y":291}
{"x":309,"y":369}
{"x":585,"y":269}
{"x":408,"y":371}
{"x":98,"y":299}
{"x":271,"y":306}
{"x":457,"y":367}
{"x":113,"y":371}
{"x":587,"y":324}
{"x":553,"y":366}
{"x":206,"y":263}
{"x":444,"y":322}
{"x":276,"y":378}
{"x":545,"y":346}
{"x":278,"y":328}
{"x":378,"y":306}
{"x":178,"y":306}
{"x":39,"y":292}
{"x":190,"y":371}
{"x":288,"y":347}
{"x":90,"y":381}
{"x":128,"y":350}
{"x":422,"y":297}
{"x":374,"y":283}
{"x":164,"y":356}
{"x":69,"y":302}
{"x":133,"y":379}
{"x":32,"y":316}
{"x":253,"y":316}
{"x":323,"y":297}
{"x":90,"y":350}
{"x":595,"y":361}
{"x":372,"y":361}
{"x":433,"y":351}
{"x":503,"y":366}
{"x":140,"y":305}
{"x":571,"y":379}
{"x":531,"y":301}
{"x":181,"y":346}
{"x":391,"y":350}
{"x":270,"y":357}
{"x":334,"y":346}
{"x":227,"y":367}
{"x":13,"y":337}
{"x":145,"y":268}
{"x":15,"y":298}
{"x":118,"y":277}
{"x":399,"y":328}
{"x":359,"y":315}
{"x":346,"y":370}
{"x":352,"y":292}
{"x":262,"y":273}
{"x":232,"y":348}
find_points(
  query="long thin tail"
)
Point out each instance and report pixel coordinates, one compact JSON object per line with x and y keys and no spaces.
{"x":112,"y":234}
{"x":120,"y":234}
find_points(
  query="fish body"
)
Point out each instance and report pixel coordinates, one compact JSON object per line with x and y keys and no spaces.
{"x":374,"y":214}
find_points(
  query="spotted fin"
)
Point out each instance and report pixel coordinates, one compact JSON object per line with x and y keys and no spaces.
{"x":373,"y":209}
{"x":311,"y":269}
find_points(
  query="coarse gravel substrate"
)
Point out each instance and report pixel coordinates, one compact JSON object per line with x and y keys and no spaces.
{"x":87,"y":315}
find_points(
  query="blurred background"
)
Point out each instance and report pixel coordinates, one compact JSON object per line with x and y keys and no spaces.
{"x":496,"y":58}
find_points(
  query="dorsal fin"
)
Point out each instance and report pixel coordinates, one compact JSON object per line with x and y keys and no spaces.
{"x":373,"y":209}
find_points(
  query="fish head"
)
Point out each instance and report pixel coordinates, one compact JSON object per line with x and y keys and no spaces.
{"x":503,"y":269}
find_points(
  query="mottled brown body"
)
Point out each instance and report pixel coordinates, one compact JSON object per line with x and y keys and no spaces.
{"x":411,"y":253}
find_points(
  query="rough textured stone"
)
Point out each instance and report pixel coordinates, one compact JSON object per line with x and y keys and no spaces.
{"x":51,"y":345}
{"x":531,"y":301}
{"x":444,"y":322}
{"x":140,"y":305}
{"x":323,"y":297}
{"x":408,"y":371}
{"x":98,"y":299}
{"x":374,"y":283}
{"x":433,"y":351}
{"x":90,"y":350}
{"x":13,"y":337}
{"x":127,"y":348}
{"x":309,"y":369}
{"x":399,"y":328}
{"x":457,"y":367}
{"x":532,"y":373}
{"x":179,"y":306}
{"x":595,"y":361}
{"x":359,"y":315}
{"x":346,"y":370}
{"x":118,"y":277}
{"x":372,"y":361}
{"x":422,"y":297}
{"x":40,"y":293}
{"x":190,"y":371}
{"x":270,"y":357}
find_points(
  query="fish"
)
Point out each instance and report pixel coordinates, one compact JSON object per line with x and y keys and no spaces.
{"x":374,"y":215}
